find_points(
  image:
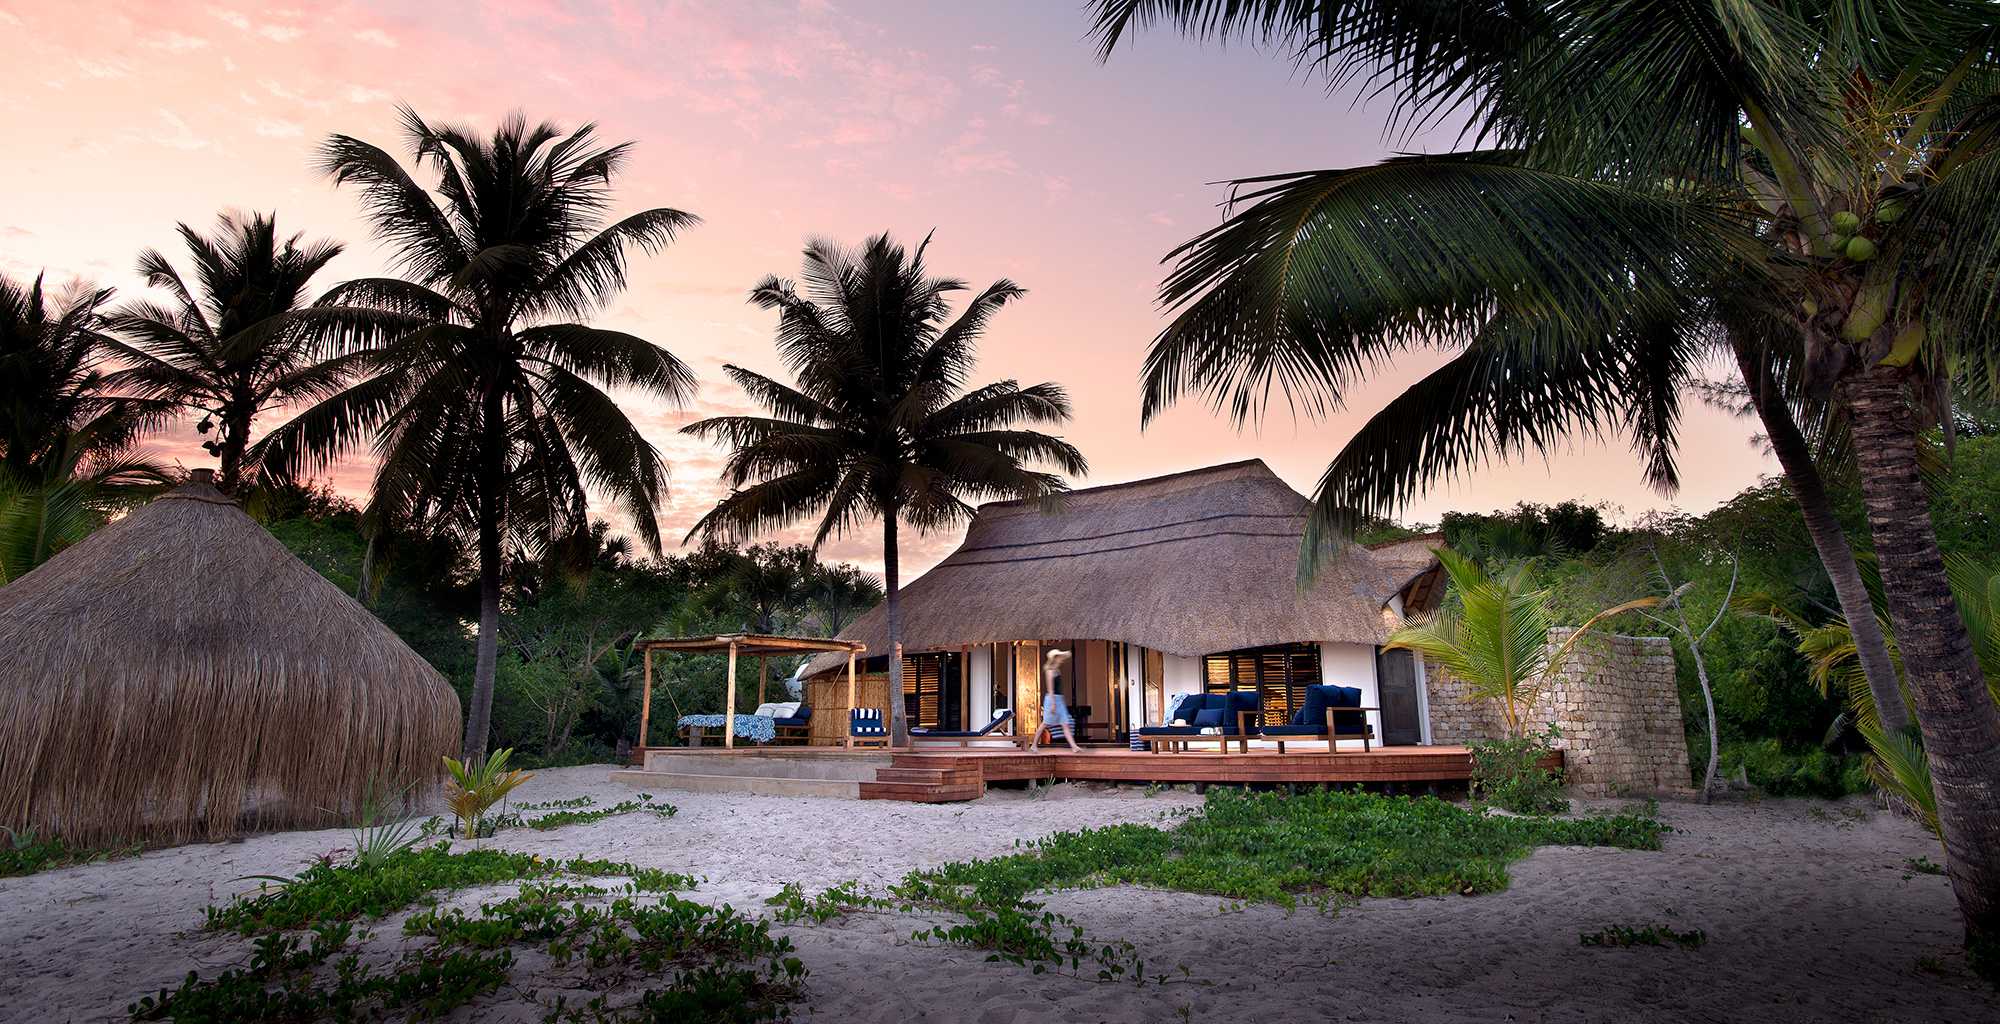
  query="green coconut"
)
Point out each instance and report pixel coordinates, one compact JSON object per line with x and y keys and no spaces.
{"x":1862,"y":323}
{"x":1859,"y":249}
{"x":1846,"y":223}
{"x":1909,"y":341}
{"x":1811,"y":307}
{"x":1840,"y":243}
{"x":1891,"y":211}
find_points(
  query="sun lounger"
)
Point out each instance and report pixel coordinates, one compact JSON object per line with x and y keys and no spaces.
{"x":1332,"y":713}
{"x":1004,"y":716}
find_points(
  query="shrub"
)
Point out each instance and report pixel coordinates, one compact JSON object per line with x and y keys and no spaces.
{"x":1811,"y":771}
{"x":1505,"y":772}
{"x":24,"y":853}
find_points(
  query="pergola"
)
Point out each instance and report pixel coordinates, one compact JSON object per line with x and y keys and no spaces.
{"x":757,"y":645}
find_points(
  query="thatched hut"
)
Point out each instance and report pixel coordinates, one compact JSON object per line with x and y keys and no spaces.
{"x":179,"y":675}
{"x":1161,"y":587}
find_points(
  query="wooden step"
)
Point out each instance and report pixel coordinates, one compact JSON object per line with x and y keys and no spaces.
{"x":922,"y":792}
{"x":935,"y":776}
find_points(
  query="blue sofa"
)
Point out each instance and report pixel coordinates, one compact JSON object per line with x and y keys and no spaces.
{"x":1331,"y":713}
{"x":1235,"y":715}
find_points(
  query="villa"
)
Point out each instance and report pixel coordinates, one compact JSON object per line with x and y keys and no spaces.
{"x":1179,"y":584}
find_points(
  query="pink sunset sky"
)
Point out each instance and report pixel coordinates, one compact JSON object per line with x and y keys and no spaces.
{"x":989,"y":121}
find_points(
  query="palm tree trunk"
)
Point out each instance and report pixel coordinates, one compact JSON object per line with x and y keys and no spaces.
{"x":899,"y":720}
{"x":235,"y":440}
{"x":492,"y":485}
{"x":1835,"y":553}
{"x":1960,"y":722}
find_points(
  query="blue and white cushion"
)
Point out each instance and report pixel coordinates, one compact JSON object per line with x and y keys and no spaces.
{"x":866,"y":722}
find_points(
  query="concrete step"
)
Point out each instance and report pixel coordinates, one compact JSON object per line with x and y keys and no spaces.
{"x":846,"y":789}
{"x":843,"y":766}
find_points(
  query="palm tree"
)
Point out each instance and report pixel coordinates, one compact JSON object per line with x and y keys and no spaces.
{"x":840,"y":593}
{"x":880,"y":423}
{"x":52,"y":358}
{"x":240,"y":345}
{"x":488,"y":414}
{"x":1835,"y":165}
{"x":68,"y":459}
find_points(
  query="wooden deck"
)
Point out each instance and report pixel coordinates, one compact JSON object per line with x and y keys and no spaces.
{"x":938,"y":777}
{"x":945,"y":775}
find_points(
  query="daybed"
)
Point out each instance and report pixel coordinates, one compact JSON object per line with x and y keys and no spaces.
{"x":1232,"y":716}
{"x":1332,"y":713}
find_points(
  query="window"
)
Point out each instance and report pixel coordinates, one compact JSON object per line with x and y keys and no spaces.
{"x":1279,"y":674}
{"x":931,"y":689}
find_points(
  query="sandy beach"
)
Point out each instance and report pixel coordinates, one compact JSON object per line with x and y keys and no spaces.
{"x":1811,"y":912}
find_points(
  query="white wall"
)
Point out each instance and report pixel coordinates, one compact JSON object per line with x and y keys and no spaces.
{"x":1353,"y":665}
{"x":1178,"y":676}
{"x":979,"y":673}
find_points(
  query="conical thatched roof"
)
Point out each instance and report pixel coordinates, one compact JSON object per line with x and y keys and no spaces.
{"x":179,"y":674}
{"x":1189,"y":564}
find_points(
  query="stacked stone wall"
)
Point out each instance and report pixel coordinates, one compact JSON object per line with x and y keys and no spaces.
{"x":1616,"y":705}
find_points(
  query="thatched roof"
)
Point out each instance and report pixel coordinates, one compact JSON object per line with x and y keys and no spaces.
{"x":179,"y":674}
{"x":1189,"y":564}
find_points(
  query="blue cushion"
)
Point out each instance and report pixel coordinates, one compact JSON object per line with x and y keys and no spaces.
{"x":1248,"y":703}
{"x":1215,"y":702}
{"x":1294,"y":730}
{"x":1208,"y":718}
{"x":1313,"y":712}
{"x":1185,"y":708}
{"x":804,"y":712}
{"x":1320,"y":698}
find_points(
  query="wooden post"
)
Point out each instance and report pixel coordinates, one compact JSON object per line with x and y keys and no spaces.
{"x":646,"y":708}
{"x":729,"y":715}
{"x":763,"y":674}
{"x":850,"y":700}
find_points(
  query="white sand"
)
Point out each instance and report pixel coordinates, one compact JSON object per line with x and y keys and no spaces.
{"x":1810,"y":918}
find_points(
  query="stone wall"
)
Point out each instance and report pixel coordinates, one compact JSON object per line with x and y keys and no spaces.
{"x":1615,"y":703}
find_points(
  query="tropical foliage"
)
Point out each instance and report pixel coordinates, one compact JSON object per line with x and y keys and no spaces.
{"x":1816,"y":183}
{"x":69,"y":456}
{"x":881,"y":423}
{"x":1494,"y":637}
{"x":238,"y":342}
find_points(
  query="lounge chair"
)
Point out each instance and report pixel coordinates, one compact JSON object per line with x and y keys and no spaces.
{"x":1332,"y":713}
{"x":964,"y":739}
{"x":798,"y":727}
{"x":1234,"y":715}
{"x":865,"y":728}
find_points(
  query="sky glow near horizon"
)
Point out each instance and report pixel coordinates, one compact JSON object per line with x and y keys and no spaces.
{"x":989,"y":122}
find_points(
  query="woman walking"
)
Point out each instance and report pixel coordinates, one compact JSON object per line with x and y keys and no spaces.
{"x":1055,"y":713}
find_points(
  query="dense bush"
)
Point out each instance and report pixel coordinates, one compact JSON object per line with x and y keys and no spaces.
{"x":1805,"y":771}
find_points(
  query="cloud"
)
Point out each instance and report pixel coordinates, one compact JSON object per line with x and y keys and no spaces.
{"x":175,"y":43}
{"x":178,"y":135}
{"x":376,"y":36}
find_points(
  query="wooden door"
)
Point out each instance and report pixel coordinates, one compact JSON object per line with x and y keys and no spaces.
{"x":1396,"y":681}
